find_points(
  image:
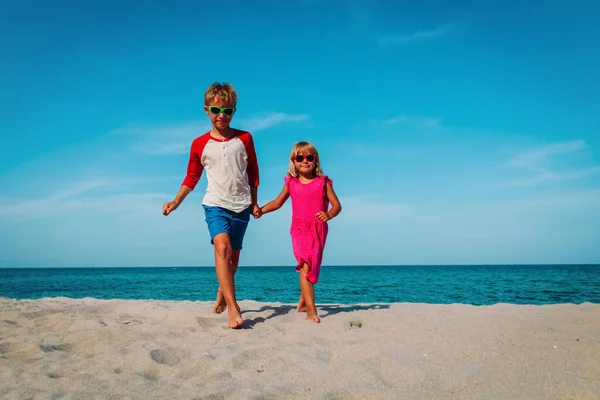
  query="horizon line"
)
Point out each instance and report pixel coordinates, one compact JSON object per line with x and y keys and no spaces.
{"x":323,"y":266}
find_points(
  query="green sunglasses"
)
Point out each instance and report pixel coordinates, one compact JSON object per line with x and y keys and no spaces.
{"x":228,"y":111}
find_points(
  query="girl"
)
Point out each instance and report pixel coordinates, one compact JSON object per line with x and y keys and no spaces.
{"x":311,"y":192}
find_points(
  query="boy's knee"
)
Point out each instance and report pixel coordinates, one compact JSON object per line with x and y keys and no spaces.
{"x":223,"y":249}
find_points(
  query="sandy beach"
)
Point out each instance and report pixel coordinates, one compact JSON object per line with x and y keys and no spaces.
{"x":63,"y":348}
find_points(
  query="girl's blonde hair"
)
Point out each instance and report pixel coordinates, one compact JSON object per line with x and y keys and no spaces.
{"x":304,"y":148}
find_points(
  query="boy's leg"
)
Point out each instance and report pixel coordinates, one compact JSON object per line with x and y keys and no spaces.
{"x":223,"y":252}
{"x":219,"y":223}
{"x":220,"y":303}
{"x":238,"y":225}
{"x":308,"y":293}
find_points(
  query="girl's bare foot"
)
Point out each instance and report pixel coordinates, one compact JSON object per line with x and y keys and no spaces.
{"x":235,"y":318}
{"x":301,"y":304}
{"x":311,"y":315}
{"x":220,"y":303}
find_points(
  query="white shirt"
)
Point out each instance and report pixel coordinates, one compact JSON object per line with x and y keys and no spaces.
{"x":231,"y":168}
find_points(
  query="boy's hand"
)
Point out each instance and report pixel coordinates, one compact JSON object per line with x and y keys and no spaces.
{"x":168,"y":207}
{"x":256,"y":211}
{"x":323,"y":216}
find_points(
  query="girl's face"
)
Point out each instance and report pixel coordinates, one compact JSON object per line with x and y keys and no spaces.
{"x":305,"y":163}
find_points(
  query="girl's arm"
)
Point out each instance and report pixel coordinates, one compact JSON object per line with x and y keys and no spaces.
{"x":336,"y":206}
{"x":276,"y":204}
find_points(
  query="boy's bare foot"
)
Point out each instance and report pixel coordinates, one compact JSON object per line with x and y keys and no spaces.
{"x":311,"y":315}
{"x":220,"y":303}
{"x":301,"y":304}
{"x":235,"y":319}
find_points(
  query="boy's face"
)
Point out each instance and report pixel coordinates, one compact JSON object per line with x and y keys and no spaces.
{"x":220,"y":113}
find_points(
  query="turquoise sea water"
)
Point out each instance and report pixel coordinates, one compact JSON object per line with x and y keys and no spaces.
{"x":478,"y":285}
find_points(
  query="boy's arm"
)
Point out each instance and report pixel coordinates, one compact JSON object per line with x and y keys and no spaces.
{"x":194,"y":172}
{"x":252,"y":171}
{"x":254,"y":194}
{"x":255,"y":209}
{"x":172,"y":205}
{"x":279,"y":201}
{"x":182,"y":194}
{"x":252,"y":167}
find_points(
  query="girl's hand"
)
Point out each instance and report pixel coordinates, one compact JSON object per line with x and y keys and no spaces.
{"x":323,"y":216}
{"x":257,"y":211}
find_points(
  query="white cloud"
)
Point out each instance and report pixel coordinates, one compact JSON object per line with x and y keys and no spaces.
{"x":177,"y":130}
{"x":537,"y":159}
{"x":86,"y":195}
{"x":166,"y":139}
{"x":428,"y":122}
{"x":163,"y":149}
{"x":54,"y":203}
{"x":545,"y":176}
{"x":176,"y":138}
{"x":534,"y":158}
{"x":376,"y":207}
{"x":371,"y":206}
{"x":270,"y":120}
{"x":420,"y":35}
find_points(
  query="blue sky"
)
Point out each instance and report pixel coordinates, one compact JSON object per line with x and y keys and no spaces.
{"x":455,"y":132}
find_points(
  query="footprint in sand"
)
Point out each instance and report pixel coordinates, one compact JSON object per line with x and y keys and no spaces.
{"x":166,"y":357}
{"x":151,"y":375}
{"x":355,"y":324}
{"x":249,"y":358}
{"x":46,"y":348}
{"x":20,"y":351}
{"x":324,"y":356}
{"x":207,"y":323}
{"x":38,"y":313}
{"x":127,"y":320}
{"x":322,"y":341}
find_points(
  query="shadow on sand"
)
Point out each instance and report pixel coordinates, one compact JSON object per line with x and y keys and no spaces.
{"x":324,"y":311}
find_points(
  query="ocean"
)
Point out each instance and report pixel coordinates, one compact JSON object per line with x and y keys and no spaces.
{"x":474,"y":284}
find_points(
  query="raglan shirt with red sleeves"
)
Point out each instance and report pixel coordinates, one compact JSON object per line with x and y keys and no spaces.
{"x":231,"y":168}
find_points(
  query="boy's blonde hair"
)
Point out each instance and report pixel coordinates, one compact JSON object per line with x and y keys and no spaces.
{"x":304,"y":148}
{"x":220,"y":91}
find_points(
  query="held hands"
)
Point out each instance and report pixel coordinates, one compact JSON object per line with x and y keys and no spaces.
{"x":257,"y":211}
{"x":169,"y":207}
{"x":323,"y":216}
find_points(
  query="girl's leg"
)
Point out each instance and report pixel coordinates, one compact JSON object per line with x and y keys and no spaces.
{"x":308,"y":293}
{"x":301,"y":303}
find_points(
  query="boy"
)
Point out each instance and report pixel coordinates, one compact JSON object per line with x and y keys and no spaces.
{"x":232,"y":172}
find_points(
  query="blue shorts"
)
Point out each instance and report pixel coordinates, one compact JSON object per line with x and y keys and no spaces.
{"x":222,"y":220}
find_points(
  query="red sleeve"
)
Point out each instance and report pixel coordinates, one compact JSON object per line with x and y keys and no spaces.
{"x":195,"y":167}
{"x":252,"y":169}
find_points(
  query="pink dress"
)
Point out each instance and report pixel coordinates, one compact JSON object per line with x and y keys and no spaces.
{"x":308,"y":232}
